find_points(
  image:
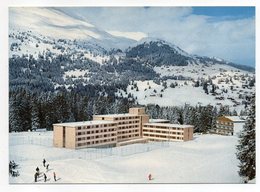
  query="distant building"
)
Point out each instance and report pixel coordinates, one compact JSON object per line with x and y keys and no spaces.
{"x":229,"y":125}
{"x":117,"y":130}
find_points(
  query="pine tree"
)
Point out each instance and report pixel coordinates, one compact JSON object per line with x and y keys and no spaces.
{"x":14,"y":121}
{"x":234,"y":113}
{"x":35,"y":121}
{"x":246,"y":147}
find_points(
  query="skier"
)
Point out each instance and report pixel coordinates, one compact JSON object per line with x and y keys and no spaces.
{"x":37,"y":170}
{"x":47,"y":167}
{"x":44,"y":161}
{"x":54,"y":176}
{"x":45,"y":177}
{"x":35,"y":177}
{"x":150,"y":177}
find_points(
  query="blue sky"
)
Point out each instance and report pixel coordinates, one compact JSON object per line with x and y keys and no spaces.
{"x":224,"y":32}
{"x":236,"y":12}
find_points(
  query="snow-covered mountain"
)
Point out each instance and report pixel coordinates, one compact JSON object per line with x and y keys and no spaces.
{"x":54,"y":50}
{"x":53,"y":23}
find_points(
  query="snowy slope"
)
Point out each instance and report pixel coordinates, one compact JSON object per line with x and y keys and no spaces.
{"x":198,"y":71}
{"x":161,"y":42}
{"x":231,"y":86}
{"x":51,"y":22}
{"x":206,"y":159}
{"x":33,"y":43}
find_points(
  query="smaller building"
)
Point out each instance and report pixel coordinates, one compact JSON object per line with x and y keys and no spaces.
{"x":167,"y":132}
{"x":229,"y":125}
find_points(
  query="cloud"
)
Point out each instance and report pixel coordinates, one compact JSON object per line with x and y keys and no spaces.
{"x":131,"y":35}
{"x":227,"y":37}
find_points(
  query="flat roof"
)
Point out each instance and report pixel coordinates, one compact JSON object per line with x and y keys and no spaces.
{"x":158,"y":120}
{"x":117,"y":115}
{"x":169,"y":125}
{"x":83,"y":123}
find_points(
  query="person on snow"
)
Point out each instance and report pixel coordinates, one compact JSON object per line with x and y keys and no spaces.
{"x":150,"y":177}
{"x":44,"y":161}
{"x":54,"y":176}
{"x":35,"y":177}
{"x":45,"y":177}
{"x":37,"y":170}
{"x":47,"y":167}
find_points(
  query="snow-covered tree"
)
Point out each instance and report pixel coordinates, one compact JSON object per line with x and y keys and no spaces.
{"x":35,"y":121}
{"x":246,"y":147}
{"x":234,"y":112}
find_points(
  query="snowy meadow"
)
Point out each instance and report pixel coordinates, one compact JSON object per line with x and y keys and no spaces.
{"x":205,"y":159}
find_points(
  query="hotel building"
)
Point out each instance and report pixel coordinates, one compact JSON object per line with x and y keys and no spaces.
{"x":229,"y":125}
{"x":117,"y":130}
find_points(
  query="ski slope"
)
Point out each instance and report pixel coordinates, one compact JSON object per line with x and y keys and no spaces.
{"x":206,"y":159}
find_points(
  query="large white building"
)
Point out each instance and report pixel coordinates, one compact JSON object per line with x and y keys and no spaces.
{"x":117,"y":130}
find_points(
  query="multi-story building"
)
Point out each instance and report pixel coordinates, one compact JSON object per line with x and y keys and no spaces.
{"x":167,"y":132}
{"x":129,"y":125}
{"x":229,"y":125}
{"x":118,"y":129}
{"x":85,"y":134}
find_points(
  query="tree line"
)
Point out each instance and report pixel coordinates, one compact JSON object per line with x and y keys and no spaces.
{"x":31,"y":110}
{"x":202,"y":117}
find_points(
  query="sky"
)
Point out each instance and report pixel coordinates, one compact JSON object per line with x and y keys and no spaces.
{"x":224,"y":32}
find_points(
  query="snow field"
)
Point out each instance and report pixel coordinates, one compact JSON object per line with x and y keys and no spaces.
{"x":206,"y":159}
{"x":178,"y":96}
{"x":185,"y":93}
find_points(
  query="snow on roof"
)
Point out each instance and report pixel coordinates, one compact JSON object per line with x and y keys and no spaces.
{"x":236,"y":118}
{"x":169,"y":125}
{"x":117,"y":115}
{"x":158,"y":120}
{"x":82,"y":123}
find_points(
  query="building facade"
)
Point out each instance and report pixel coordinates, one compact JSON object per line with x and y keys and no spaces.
{"x":167,"y":132}
{"x":118,"y":130}
{"x":229,"y":125}
{"x":78,"y":135}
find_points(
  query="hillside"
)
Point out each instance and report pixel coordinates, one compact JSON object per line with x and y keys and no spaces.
{"x":72,"y":63}
{"x":54,"y":77}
